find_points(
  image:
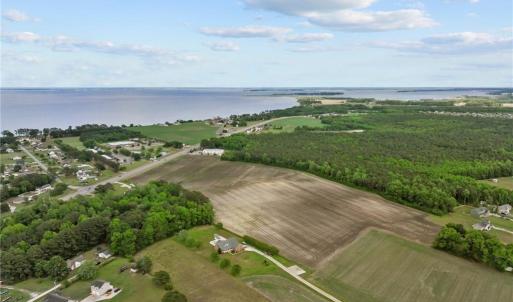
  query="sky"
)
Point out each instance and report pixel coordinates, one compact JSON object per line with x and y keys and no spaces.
{"x":257,"y":43}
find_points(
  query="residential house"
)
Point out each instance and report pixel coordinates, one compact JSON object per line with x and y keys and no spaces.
{"x":504,"y":209}
{"x":107,"y":157}
{"x":76,"y":262}
{"x":103,"y":252}
{"x":55,"y":297}
{"x":216,"y":152}
{"x":484,"y":225}
{"x":230,"y":245}
{"x":43,"y":189}
{"x":121,"y":144}
{"x":9,"y":150}
{"x":100,"y":288}
{"x":480,"y":212}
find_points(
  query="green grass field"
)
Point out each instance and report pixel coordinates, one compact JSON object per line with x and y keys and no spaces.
{"x":35,"y":284}
{"x":195,"y":276}
{"x":135,"y":287}
{"x":282,"y":289}
{"x":6,"y":158}
{"x":502,"y":182}
{"x":73,"y":141}
{"x":289,"y":124}
{"x":462,"y":216}
{"x":9,"y":295}
{"x":188,"y":133}
{"x":383,"y":267}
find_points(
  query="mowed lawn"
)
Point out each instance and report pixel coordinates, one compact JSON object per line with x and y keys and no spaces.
{"x":188,"y":133}
{"x":462,"y":216}
{"x":383,"y":267}
{"x":502,"y":182}
{"x":73,"y":141}
{"x":289,"y":124}
{"x":135,"y":287}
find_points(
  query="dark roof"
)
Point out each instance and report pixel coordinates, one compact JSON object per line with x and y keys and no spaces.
{"x":98,"y":283}
{"x":53,"y":297}
{"x":228,"y":244}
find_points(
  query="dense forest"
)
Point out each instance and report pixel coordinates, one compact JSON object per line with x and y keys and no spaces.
{"x":51,"y":230}
{"x":427,"y":161}
{"x":475,"y":245}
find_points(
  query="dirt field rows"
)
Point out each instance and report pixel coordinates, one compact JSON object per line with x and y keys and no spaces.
{"x":306,"y":217}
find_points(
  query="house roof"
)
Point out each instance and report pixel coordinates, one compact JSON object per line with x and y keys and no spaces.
{"x":98,"y":283}
{"x":504,"y":207}
{"x":228,"y":244}
{"x":78,"y":258}
{"x":479,"y":210}
{"x":481,"y":225}
{"x":53,"y":297}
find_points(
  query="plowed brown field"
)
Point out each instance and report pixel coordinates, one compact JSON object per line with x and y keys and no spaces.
{"x":308,"y":218}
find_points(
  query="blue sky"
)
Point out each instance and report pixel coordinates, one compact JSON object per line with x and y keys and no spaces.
{"x":255,"y":43}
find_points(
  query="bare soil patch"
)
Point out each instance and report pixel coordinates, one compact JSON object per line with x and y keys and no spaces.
{"x":306,"y":217}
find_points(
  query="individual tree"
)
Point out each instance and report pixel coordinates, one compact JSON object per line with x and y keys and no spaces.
{"x":87,"y":271}
{"x":224,"y":263}
{"x":214,"y":256}
{"x":56,"y":268}
{"x":235,"y":270}
{"x":161,"y":278}
{"x":174,"y":296}
{"x":144,"y":265}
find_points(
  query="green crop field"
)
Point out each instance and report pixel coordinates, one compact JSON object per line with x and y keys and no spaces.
{"x":289,"y":124}
{"x":502,"y":182}
{"x":73,"y":141}
{"x":188,"y":133}
{"x":462,"y":216}
{"x":383,"y":267}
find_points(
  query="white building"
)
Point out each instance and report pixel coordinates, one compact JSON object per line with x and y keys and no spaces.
{"x":121,"y":144}
{"x":484,"y":225}
{"x":216,"y":152}
{"x":100,"y":288}
{"x":504,"y":209}
{"x":76,"y":262}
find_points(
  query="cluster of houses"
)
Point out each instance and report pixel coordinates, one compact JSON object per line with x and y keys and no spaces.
{"x":483,"y":212}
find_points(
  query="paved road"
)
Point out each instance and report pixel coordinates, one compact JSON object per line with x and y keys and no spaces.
{"x":40,"y":163}
{"x":299,"y":278}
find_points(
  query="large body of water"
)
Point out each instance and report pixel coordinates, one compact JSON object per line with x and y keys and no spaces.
{"x":40,"y":108}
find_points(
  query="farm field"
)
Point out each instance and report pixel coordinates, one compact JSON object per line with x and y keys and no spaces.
{"x":462,"y":216}
{"x":383,"y":267}
{"x":187,"y":133}
{"x":502,"y":182}
{"x":6,"y":158}
{"x":289,"y":124}
{"x":311,"y":217}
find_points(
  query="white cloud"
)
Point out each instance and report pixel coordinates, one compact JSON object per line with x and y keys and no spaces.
{"x":306,"y":38}
{"x":223,"y":46}
{"x":20,"y":58}
{"x":350,"y":20}
{"x":21,"y":37}
{"x":345,"y":14}
{"x":65,"y":43}
{"x":452,"y":43}
{"x":14,"y":15}
{"x":316,"y":49}
{"x":245,"y":31}
{"x":298,"y":7}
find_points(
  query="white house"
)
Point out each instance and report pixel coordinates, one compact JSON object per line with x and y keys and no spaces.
{"x":216,"y":152}
{"x":44,"y":189}
{"x":107,"y":157}
{"x":121,"y":144}
{"x":100,"y":288}
{"x":105,"y":254}
{"x":76,"y":262}
{"x":504,"y":209}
